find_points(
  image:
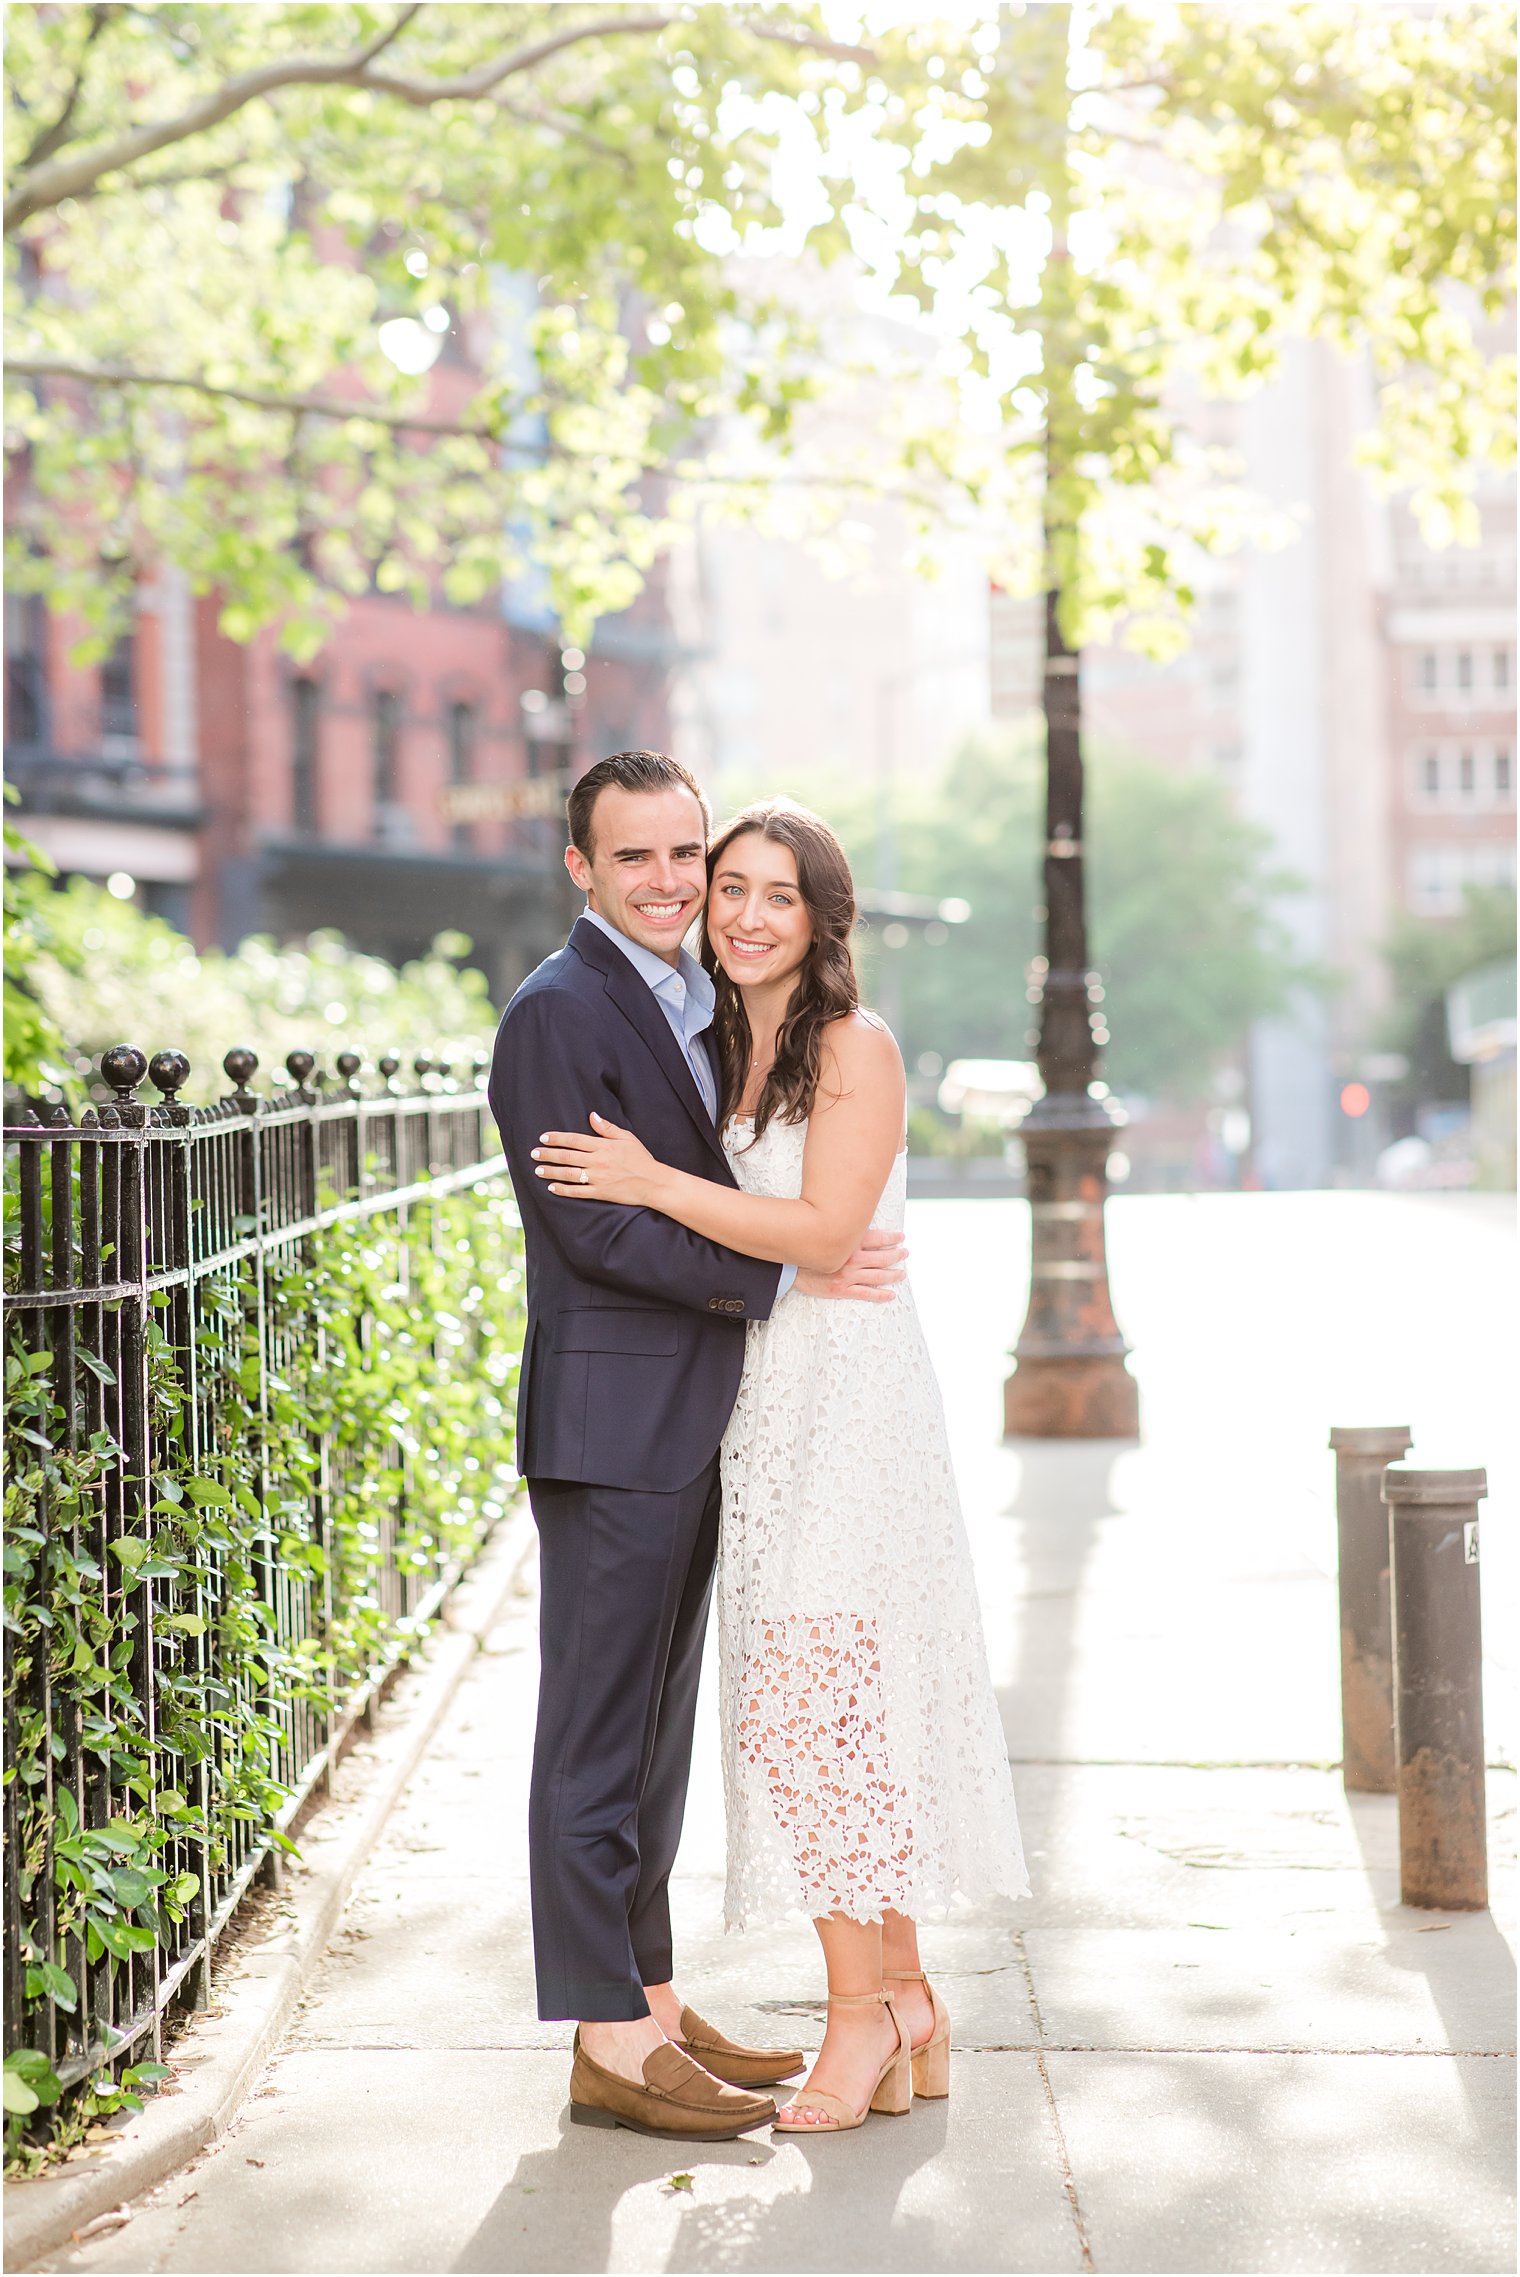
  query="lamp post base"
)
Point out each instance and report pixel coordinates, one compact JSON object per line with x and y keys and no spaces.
{"x":1069,"y":1379}
{"x":1091,"y":1398}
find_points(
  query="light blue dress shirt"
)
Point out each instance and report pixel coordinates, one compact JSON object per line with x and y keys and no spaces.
{"x":684,"y":993}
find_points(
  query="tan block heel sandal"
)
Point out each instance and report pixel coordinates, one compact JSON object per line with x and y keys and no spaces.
{"x":931,"y":2062}
{"x":893,"y":2091}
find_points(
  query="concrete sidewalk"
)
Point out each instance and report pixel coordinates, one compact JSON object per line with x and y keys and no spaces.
{"x":1213,"y":2041}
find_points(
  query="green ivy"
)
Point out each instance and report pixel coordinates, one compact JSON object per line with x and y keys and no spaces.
{"x":335,"y":1419}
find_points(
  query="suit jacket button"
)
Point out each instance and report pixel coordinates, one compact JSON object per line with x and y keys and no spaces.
{"x":715,"y":1304}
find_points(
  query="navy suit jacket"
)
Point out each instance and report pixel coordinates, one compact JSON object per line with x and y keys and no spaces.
{"x":635,"y":1336}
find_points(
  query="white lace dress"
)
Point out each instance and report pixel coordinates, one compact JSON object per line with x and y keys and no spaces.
{"x":863,"y":1758}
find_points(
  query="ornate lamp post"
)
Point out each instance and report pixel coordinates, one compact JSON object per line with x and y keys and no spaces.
{"x":1069,"y":1379}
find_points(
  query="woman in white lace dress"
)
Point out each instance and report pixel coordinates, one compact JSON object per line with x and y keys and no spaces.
{"x":866,"y":1775}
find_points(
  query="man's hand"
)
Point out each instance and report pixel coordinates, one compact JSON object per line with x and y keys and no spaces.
{"x":870,"y":1276}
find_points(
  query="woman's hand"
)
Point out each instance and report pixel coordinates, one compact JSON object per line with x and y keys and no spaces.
{"x":611,"y":1166}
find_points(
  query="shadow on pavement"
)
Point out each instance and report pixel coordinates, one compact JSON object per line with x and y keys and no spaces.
{"x":1465,"y":1959}
{"x":560,"y":2207}
{"x":1063,"y":1497}
{"x":848,"y":2217}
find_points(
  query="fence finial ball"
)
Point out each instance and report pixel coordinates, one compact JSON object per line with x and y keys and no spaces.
{"x":123,"y":1067}
{"x":239,"y":1066}
{"x":168,"y":1072}
{"x":349,"y":1063}
{"x":300,"y":1065}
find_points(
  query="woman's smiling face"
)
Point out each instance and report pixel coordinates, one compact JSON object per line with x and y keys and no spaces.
{"x":757,"y":920}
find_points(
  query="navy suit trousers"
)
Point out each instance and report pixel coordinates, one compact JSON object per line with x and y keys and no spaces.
{"x":626,"y":1579}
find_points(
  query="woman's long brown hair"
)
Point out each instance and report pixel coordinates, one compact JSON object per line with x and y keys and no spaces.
{"x":825,"y":987}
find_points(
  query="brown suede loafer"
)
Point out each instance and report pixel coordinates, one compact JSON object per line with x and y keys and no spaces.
{"x":678,"y":2099}
{"x":725,"y":2059}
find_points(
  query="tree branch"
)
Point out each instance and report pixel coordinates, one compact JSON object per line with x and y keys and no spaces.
{"x":261,"y":399}
{"x":50,"y":138}
{"x":76,"y":177}
{"x":681,"y":470}
{"x":561,"y":123}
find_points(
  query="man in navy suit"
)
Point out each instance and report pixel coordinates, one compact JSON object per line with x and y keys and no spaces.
{"x":631,"y":1363}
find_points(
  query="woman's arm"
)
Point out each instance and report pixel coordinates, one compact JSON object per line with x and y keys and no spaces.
{"x":853,"y":1135}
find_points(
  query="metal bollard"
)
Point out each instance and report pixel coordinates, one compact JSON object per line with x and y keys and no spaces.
{"x":1438,"y":1685}
{"x":1361,"y":1524}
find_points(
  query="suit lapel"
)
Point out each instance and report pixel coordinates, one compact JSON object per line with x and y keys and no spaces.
{"x":635,"y":999}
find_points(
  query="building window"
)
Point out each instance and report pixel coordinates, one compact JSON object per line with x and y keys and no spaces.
{"x":1430,"y":774}
{"x":1504,"y":778}
{"x":24,"y":668}
{"x":1439,"y":876}
{"x":1464,"y":669}
{"x":462,"y":760}
{"x":387,"y":727}
{"x":1501,"y":667}
{"x":461,"y":742}
{"x":1428,"y":669}
{"x":118,"y":692}
{"x":306,"y":701}
{"x":1433,"y":886}
{"x":1467,"y":775}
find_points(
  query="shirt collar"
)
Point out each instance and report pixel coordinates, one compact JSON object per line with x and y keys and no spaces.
{"x":656,"y":972}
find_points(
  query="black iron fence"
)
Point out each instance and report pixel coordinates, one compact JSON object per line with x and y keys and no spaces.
{"x":258,"y":1376}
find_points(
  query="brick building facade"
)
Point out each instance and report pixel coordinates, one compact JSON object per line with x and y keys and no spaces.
{"x":410,"y":779}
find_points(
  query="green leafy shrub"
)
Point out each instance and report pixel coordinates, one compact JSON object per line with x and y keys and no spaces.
{"x":345,"y":1429}
{"x":103,"y":972}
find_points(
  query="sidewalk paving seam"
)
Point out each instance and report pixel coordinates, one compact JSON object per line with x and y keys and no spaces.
{"x":1195,"y":1763}
{"x":1165,"y":2048}
{"x":1068,"y":2177}
{"x":42,"y":2213}
{"x":960,"y":2047}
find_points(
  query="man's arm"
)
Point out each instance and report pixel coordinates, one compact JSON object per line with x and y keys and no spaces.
{"x":548,"y":1071}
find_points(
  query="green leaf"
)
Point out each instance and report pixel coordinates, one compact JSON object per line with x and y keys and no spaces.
{"x":208,"y":1494}
{"x":28,"y":2069}
{"x":95,"y":1364}
{"x":122,"y":1938}
{"x":132,"y":1886}
{"x":60,"y":1987}
{"x":191,"y":1624}
{"x":130,"y":1551}
{"x":19,"y":2098}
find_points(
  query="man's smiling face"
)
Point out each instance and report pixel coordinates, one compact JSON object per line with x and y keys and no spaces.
{"x":647,"y":875}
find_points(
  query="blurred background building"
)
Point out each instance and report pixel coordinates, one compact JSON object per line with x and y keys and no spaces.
{"x":1355,"y":690}
{"x":407,"y":781}
{"x":410,"y":779}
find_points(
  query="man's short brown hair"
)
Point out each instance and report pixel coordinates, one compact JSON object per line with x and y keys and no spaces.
{"x":629,"y":771}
